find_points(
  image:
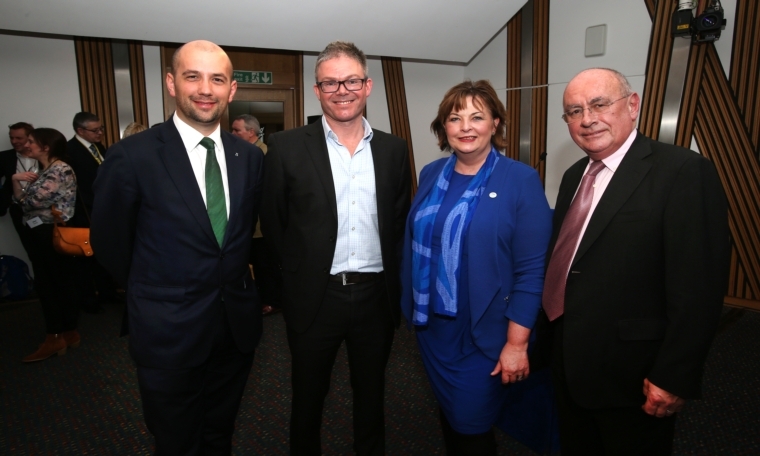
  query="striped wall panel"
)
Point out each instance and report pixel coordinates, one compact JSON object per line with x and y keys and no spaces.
{"x":97,"y":90}
{"x":514,"y":44}
{"x":744,"y":74}
{"x":724,"y":119}
{"x":137,"y":77}
{"x":658,"y":64}
{"x":539,"y":96}
{"x":395,"y":93}
{"x":723,"y":138}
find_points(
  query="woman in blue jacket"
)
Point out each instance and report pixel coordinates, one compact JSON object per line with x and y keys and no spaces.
{"x":473,"y":266}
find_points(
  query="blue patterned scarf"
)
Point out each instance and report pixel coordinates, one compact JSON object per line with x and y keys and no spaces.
{"x":446,"y":278}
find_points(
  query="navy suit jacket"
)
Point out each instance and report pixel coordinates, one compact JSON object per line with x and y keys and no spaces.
{"x":299,"y":215}
{"x":645,"y":290}
{"x":507,"y":241}
{"x":151,"y":231}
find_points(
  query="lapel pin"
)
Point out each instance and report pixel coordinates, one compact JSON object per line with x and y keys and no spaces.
{"x":492,"y":194}
{"x":236,"y":154}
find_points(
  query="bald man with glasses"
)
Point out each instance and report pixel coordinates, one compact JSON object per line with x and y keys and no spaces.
{"x":636,"y":273}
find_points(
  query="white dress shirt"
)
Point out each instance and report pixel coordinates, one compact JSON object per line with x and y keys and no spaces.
{"x":87,"y":145}
{"x":357,"y":247}
{"x":197,"y":154}
{"x":611,"y":164}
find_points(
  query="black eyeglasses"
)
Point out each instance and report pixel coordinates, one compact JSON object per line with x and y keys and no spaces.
{"x":333,"y":86}
{"x":95,"y":130}
{"x":600,"y":107}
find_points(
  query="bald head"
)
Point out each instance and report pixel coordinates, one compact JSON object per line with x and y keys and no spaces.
{"x":609,"y":110}
{"x":196,"y":46}
{"x":201,"y":84}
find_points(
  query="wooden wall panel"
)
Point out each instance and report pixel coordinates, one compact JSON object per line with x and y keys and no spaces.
{"x":658,"y":64}
{"x":722,"y":137}
{"x":97,"y":89}
{"x":395,"y":93}
{"x":137,"y":77}
{"x":744,"y":74}
{"x":725,"y":120}
{"x":514,"y":46}
{"x":539,"y":96}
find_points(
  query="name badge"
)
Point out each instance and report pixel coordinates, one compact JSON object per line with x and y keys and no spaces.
{"x":33,"y":222}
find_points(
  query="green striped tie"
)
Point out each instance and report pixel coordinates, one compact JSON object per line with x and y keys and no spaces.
{"x":216,"y":205}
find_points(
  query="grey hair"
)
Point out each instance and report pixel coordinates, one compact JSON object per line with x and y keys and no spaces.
{"x":341,"y":48}
{"x":82,"y":118}
{"x":251,"y":123}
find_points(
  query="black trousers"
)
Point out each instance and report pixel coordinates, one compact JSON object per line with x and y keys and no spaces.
{"x":359,"y":315}
{"x":25,"y":234}
{"x":606,"y":431}
{"x":458,"y":444}
{"x":192,"y":411}
{"x":55,"y":280}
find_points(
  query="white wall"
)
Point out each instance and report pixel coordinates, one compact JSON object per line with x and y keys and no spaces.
{"x":628,"y":32}
{"x":426,"y":84}
{"x":40,"y":86}
{"x":491,"y":64}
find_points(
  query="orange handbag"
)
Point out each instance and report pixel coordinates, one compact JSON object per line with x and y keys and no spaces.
{"x":69,"y":240}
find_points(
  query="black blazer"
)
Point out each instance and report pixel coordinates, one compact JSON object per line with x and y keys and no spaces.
{"x":151,"y":231}
{"x":645,"y":290}
{"x":85,"y":168}
{"x":7,"y":169}
{"x":299,"y":215}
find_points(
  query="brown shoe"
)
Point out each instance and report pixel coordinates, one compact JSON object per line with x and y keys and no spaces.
{"x":54,"y":344}
{"x":72,"y":338}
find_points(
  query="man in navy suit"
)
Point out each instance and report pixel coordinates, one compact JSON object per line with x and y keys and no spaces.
{"x":337,"y":194}
{"x":174,"y":213}
{"x":637,"y":301}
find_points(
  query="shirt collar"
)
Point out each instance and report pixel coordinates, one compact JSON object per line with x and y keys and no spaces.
{"x":84,"y":142}
{"x":330,"y":134}
{"x":192,"y":137}
{"x":613,"y":161}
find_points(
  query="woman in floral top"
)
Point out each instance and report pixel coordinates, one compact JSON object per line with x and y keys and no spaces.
{"x":55,"y":274}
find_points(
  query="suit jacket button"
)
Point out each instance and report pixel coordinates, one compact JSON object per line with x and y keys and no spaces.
{"x":221,"y":257}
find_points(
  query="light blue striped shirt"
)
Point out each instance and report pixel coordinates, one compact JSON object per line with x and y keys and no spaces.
{"x":357,"y":247}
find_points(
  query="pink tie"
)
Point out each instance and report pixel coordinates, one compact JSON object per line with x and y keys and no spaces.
{"x":564,"y":249}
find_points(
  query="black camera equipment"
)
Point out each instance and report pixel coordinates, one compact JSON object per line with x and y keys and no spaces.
{"x":707,"y":26}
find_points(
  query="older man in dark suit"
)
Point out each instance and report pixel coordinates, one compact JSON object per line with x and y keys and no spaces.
{"x":14,"y":161}
{"x":86,"y":154}
{"x":637,"y":271}
{"x":175,"y":208}
{"x":336,"y":197}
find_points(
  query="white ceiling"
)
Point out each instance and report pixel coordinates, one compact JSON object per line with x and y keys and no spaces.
{"x":446,"y":30}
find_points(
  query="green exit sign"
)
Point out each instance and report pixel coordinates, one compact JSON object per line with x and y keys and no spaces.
{"x":252,"y":77}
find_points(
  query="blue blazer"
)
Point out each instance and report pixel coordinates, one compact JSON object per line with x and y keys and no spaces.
{"x":508,"y":236}
{"x":151,"y":231}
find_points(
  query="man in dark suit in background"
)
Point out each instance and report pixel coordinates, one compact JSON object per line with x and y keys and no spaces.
{"x":14,"y":161}
{"x":86,"y":153}
{"x":637,"y":271}
{"x":336,"y":197}
{"x":174,"y":214}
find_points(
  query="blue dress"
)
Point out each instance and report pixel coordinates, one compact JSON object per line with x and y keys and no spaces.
{"x":459,"y":372}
